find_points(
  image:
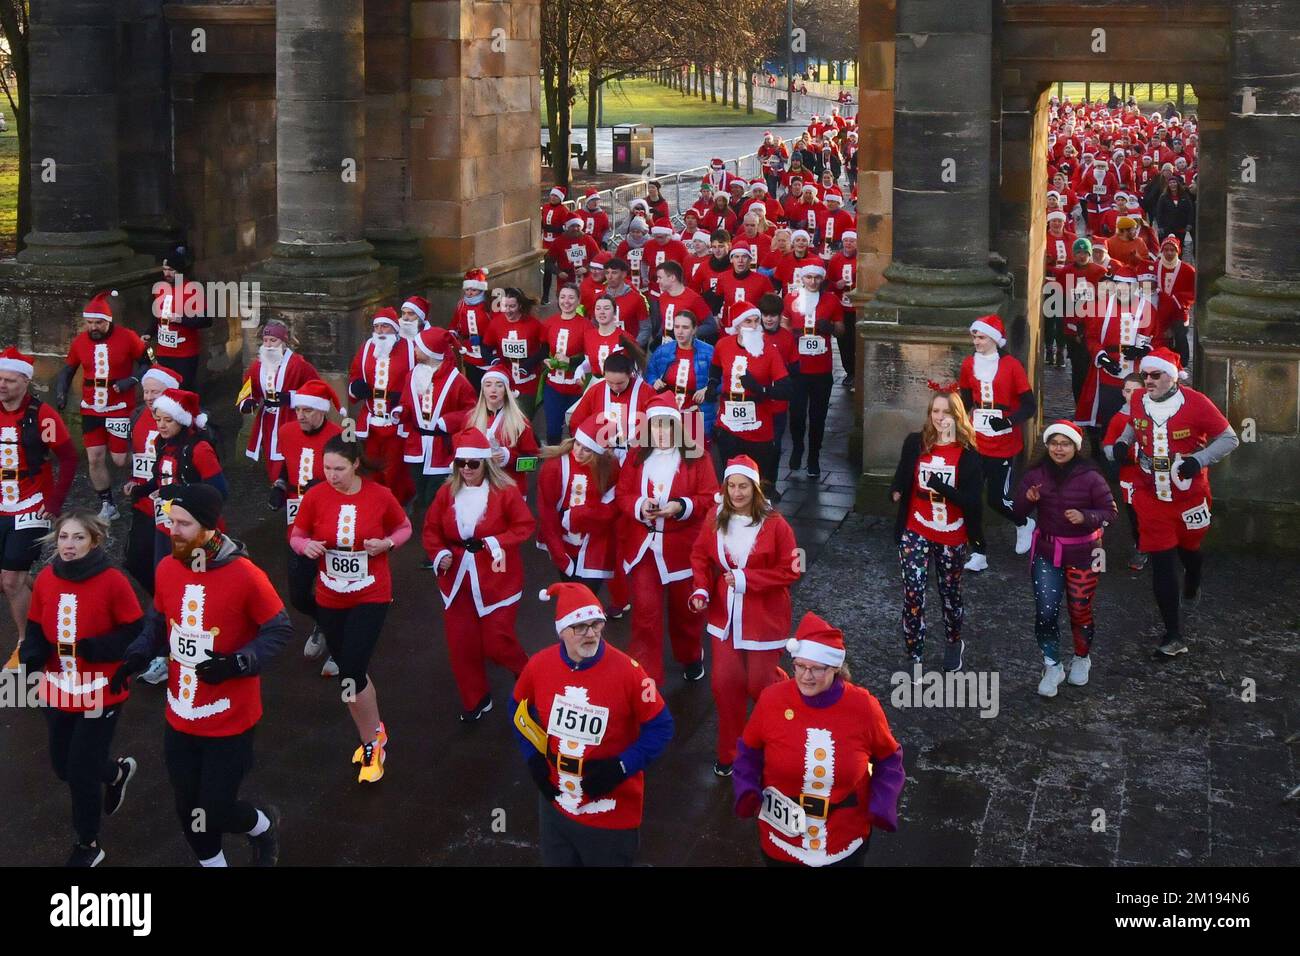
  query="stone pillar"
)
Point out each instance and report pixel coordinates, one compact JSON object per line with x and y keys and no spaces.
{"x":321,"y":278}
{"x":875,"y":142}
{"x":939,"y":279}
{"x":475,"y":129}
{"x":1250,"y":343}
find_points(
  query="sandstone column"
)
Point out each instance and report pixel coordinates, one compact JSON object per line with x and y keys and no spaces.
{"x":1250,"y":342}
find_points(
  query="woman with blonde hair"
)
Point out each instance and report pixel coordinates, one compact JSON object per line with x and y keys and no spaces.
{"x":575,"y":504}
{"x":509,"y":432}
{"x":937,"y":487}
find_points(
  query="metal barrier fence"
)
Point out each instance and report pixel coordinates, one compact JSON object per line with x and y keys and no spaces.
{"x":804,"y":104}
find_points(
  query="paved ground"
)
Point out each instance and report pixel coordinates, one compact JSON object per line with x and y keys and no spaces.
{"x":1184,"y":770}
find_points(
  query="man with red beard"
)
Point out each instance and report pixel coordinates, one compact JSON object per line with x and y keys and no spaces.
{"x":435,"y":388}
{"x":269,"y":384}
{"x":377,"y":378}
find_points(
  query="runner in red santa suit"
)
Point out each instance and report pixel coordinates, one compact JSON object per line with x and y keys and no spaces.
{"x":674,"y":297}
{"x":139,"y":558}
{"x":348,"y":525}
{"x":413,"y":317}
{"x":1116,"y":340}
{"x":717,"y":177}
{"x":179,"y":312}
{"x":516,"y":337}
{"x":720,"y":215}
{"x":1176,"y":288}
{"x":813,"y":316}
{"x":818,"y":764}
{"x":377,"y":379}
{"x":1074,"y":292}
{"x":554,"y":215}
{"x":714,"y":268}
{"x":838,"y":221}
{"x":472,"y":534}
{"x":1098,"y":185}
{"x":661,"y":248}
{"x":632,"y":252}
{"x":111,"y":359}
{"x":84,"y":615}
{"x":1129,"y":472}
{"x":223,"y":621}
{"x":664,"y":492}
{"x":808,"y":215}
{"x":742,"y":283}
{"x":575,"y":504}
{"x":498,"y":416}
{"x":693,"y":268}
{"x":469,"y":321}
{"x":621,"y":396}
{"x":592,"y":286}
{"x":572,"y":251}
{"x":565,"y":332}
{"x":784,"y":275}
{"x":302,"y":442}
{"x":269,"y":384}
{"x":996,"y":389}
{"x":588,"y":720}
{"x":595,"y":221}
{"x":1058,"y":241}
{"x":842,"y":279}
{"x":743,"y":564}
{"x":603,"y":336}
{"x":630,"y":306}
{"x":757,"y":231}
{"x":772,"y":210}
{"x":1178,"y":434}
{"x":435,"y":389}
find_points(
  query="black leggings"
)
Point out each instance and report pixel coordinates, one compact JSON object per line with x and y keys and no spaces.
{"x":302,"y":584}
{"x":997,"y":494}
{"x":351,"y":634}
{"x":139,"y":559}
{"x":764,"y":453}
{"x":205,"y":774}
{"x":1164,"y":577}
{"x":186,"y":368}
{"x":808,"y":406}
{"x":79,"y":747}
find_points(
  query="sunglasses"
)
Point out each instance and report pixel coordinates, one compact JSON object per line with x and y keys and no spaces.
{"x":1151,"y":374}
{"x":473,"y":464}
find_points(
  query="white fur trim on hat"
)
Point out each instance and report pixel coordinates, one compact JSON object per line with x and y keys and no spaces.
{"x":661,"y":230}
{"x":742,"y":316}
{"x":557,"y":191}
{"x":701,"y":236}
{"x":173,"y":409}
{"x":474,"y":285}
{"x":744,"y":250}
{"x":1154,"y":363}
{"x":469,"y":453}
{"x":1068,"y":431}
{"x":164,"y":377}
{"x":408,"y":304}
{"x":664,"y":411}
{"x":800,"y":232}
{"x":848,"y":234}
{"x":495,"y":373}
{"x":385,"y":320}
{"x":812,"y":651}
{"x":994,"y":334}
{"x":22,"y":368}
{"x":299,"y":400}
{"x":745,"y":470}
{"x":588,"y":612}
{"x":587,"y":442}
{"x":813,"y":269}
{"x":1056,"y":216}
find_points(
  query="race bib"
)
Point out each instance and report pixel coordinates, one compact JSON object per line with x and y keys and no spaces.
{"x":982,"y":419}
{"x":740,"y":413}
{"x":31,"y":520}
{"x":577,"y":255}
{"x":189,"y":645}
{"x":347,"y":565}
{"x":142,"y":467}
{"x":291,"y":509}
{"x":514,"y":349}
{"x":168,"y":337}
{"x":575,"y":720}
{"x":1099,"y":190}
{"x":1194,"y":519}
{"x":812,"y":345}
{"x":782,"y":814}
{"x":118,"y":427}
{"x":159,"y":516}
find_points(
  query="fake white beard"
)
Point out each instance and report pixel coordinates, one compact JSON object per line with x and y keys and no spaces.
{"x":806,"y":302}
{"x":409,"y":329}
{"x":383,"y":344}
{"x":422,"y":378}
{"x":270,"y":356}
{"x":751,"y":340}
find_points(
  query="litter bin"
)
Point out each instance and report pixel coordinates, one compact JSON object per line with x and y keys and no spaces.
{"x":634,"y":148}
{"x":783,"y":111}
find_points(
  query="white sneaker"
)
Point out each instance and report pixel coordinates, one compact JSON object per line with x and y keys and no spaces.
{"x":315,"y":645}
{"x":1053,"y":674}
{"x":330,"y":669}
{"x":108,"y":511}
{"x":1079,"y":668}
{"x":976,"y":562}
{"x":1025,"y":536}
{"x":156,"y":672}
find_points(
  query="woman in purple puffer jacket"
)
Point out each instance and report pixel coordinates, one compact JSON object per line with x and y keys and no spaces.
{"x":1073,"y":504}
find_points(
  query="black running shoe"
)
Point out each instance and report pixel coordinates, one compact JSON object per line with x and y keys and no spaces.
{"x":952,"y":656}
{"x":721,"y":769}
{"x":115,"y":792}
{"x":814,"y":467}
{"x":470,"y":716}
{"x":266,"y":846}
{"x":85,"y":855}
{"x":694,"y":670}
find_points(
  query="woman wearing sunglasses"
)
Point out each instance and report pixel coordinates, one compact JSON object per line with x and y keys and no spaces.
{"x":348,"y":524}
{"x":472,"y":534}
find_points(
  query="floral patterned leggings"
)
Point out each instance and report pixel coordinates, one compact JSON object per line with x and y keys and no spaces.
{"x":914,"y":559}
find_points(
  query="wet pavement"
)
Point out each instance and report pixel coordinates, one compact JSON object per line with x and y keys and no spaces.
{"x":1148,"y":764}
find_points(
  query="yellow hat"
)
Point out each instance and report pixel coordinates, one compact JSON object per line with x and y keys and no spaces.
{"x":1126,"y":222}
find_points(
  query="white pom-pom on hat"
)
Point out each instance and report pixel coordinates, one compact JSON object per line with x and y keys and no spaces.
{"x":543,"y":595}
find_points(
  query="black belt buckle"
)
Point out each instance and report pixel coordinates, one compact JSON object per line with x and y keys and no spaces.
{"x":99,"y":383}
{"x":567,"y":764}
{"x":1161,"y":464}
{"x":9,"y":474}
{"x":379,"y":396}
{"x":67,"y":649}
{"x":814,"y":806}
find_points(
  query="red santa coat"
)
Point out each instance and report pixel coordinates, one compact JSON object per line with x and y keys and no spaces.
{"x":771,"y":208}
{"x":303,"y":462}
{"x":448,"y":392}
{"x":102,"y":363}
{"x":626,"y":407}
{"x":564,"y":340}
{"x":669,"y":305}
{"x":836,"y":224}
{"x":272,"y":389}
{"x":144,"y":438}
{"x":471,"y":322}
{"x":517,"y":342}
{"x":1079,"y":287}
{"x":1166,"y":433}
{"x":994,"y":397}
{"x":554,"y":215}
{"x":575,"y":521}
{"x":738,"y":411}
{"x":810,"y":217}
{"x":1100,"y":184}
{"x":589,"y":291}
{"x":804,"y":312}
{"x":1178,"y":285}
{"x":595,"y":223}
{"x":711,"y":220}
{"x":842,"y":278}
{"x":656,"y":255}
{"x":630,"y":309}
{"x":387,"y":378}
{"x":525,"y":446}
{"x":1107,"y":335}
{"x":750,"y":287}
{"x":25,"y":490}
{"x":171,"y":339}
{"x":634,"y":258}
{"x":1058,"y":250}
{"x":755,"y":614}
{"x":504,"y":526}
{"x":570,"y":253}
{"x":596,"y":347}
{"x":1129,"y":472}
{"x":667,"y":542}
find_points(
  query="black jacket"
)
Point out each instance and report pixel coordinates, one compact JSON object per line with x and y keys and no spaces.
{"x":966,"y":495}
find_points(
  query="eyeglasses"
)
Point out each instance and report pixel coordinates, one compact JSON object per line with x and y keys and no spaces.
{"x":817,"y":671}
{"x":1151,"y":374}
{"x":583,"y":630}
{"x":473,"y":464}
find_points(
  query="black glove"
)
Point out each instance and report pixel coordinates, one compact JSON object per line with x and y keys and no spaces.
{"x":126,"y":384}
{"x":248,"y":406}
{"x":222,"y":667}
{"x":824,"y":327}
{"x":540,"y":771}
{"x":34,"y":656}
{"x":936,"y":484}
{"x":473,"y":545}
{"x":997,"y":424}
{"x":752,"y":385}
{"x":88,"y":649}
{"x":1188,"y":468}
{"x":1110,"y":365}
{"x":131,"y":665}
{"x":1120,"y":450}
{"x":360,"y":389}
{"x":60,"y":400}
{"x":599,"y":777}
{"x":1135,"y":352}
{"x":278,"y":496}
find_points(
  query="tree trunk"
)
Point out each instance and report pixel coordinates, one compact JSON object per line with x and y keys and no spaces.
{"x":699,"y":82}
{"x":593,"y":101}
{"x":735,"y":89}
{"x":724,"y":86}
{"x":548,"y":89}
{"x":749,"y":94}
{"x":713,"y":84}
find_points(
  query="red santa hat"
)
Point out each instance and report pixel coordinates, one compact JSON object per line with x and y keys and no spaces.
{"x":815,"y":640}
{"x":100,"y":306}
{"x":834,"y":195}
{"x":757,"y":185}
{"x":740,"y":311}
{"x":12,"y":360}
{"x":559,"y":192}
{"x":163,"y":376}
{"x":692,"y":212}
{"x":1056,"y":216}
{"x":182,"y":406}
{"x":496,"y":370}
{"x":800,"y":232}
{"x":573,"y":220}
{"x":848,"y":234}
{"x":433,"y":342}
{"x":316,"y":394}
{"x":663,"y":406}
{"x":1066,"y":428}
{"x":574,"y":604}
{"x":1163,"y":360}
{"x":595,"y":434}
{"x":991,"y":326}
{"x":741,"y":248}
{"x":590,"y":194}
{"x":387,"y":315}
{"x":472,"y":443}
{"x":716,"y":163}
{"x":598,"y":261}
{"x":742,"y":465}
{"x":419,"y":305}
{"x":639,"y":202}
{"x":1172,"y":240}
{"x":1053,"y":194}
{"x":701,"y":236}
{"x":662,"y":227}
{"x":809,"y":187}
{"x":812,"y":269}
{"x":476,"y":280}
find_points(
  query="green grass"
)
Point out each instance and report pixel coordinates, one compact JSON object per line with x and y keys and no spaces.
{"x":1075,"y":92}
{"x":8,"y":185}
{"x":645,"y":101}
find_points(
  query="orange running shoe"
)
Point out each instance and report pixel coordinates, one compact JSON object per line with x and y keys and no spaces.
{"x":381,"y":737}
{"x":372,"y":763}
